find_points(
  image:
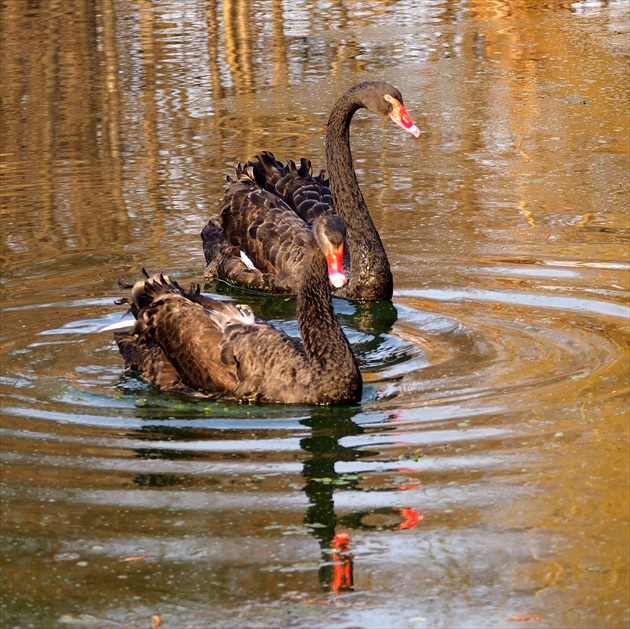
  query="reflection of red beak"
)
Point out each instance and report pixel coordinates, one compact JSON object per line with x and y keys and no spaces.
{"x":341,"y":542}
{"x":401,"y":117}
{"x":334,"y":258}
{"x":342,"y":570}
{"x":411,"y":518}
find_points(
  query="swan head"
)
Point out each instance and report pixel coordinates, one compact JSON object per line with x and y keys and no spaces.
{"x":382,"y":98}
{"x":329,"y":233}
{"x":400,"y":116}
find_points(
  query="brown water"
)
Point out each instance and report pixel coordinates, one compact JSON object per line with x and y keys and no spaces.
{"x":482,"y":481}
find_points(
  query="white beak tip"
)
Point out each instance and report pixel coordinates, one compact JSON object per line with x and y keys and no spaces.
{"x":337,"y":279}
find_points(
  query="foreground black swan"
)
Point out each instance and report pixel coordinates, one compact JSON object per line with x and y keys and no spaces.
{"x":185,"y":340}
{"x":258,"y":241}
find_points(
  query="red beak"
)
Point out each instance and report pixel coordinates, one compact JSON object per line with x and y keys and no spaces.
{"x":401,"y":117}
{"x":334,"y":258}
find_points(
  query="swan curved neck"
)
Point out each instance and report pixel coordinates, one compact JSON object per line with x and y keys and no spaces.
{"x":370,"y":276}
{"x":343,"y":181}
{"x":335,"y":375}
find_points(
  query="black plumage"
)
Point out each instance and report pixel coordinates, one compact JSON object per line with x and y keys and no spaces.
{"x":258,"y":240}
{"x":186,"y":340}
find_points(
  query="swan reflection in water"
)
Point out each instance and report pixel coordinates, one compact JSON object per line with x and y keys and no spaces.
{"x":322,"y":483}
{"x":334,"y":532}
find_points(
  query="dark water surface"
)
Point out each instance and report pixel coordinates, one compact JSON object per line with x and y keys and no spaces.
{"x":482,"y":481}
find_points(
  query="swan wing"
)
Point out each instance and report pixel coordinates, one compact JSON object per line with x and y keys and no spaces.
{"x":261,"y":240}
{"x":226,"y":262}
{"x":308,"y":196}
{"x":210,"y":345}
{"x":264,"y":224}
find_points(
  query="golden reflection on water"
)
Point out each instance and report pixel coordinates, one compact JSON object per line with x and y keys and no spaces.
{"x":103,"y":122}
{"x":506,"y":224}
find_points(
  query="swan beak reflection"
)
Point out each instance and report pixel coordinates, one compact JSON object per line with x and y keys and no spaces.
{"x":401,"y":117}
{"x":334,"y":258}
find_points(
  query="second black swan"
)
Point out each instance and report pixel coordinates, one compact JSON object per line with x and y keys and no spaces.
{"x":258,"y":240}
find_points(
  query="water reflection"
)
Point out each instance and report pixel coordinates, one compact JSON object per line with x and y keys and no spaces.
{"x":165,"y":150}
{"x":488,"y":460}
{"x":322,"y":480}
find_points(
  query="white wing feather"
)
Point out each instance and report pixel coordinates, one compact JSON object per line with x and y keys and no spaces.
{"x":246,"y":261}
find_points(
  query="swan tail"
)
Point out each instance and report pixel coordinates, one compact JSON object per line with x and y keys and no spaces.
{"x":215,"y":246}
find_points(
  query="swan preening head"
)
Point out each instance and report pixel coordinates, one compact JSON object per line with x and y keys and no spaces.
{"x":329,"y":232}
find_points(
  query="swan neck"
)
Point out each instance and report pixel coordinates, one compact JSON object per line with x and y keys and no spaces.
{"x":370,"y":273}
{"x":334,"y":372}
{"x":338,"y":153}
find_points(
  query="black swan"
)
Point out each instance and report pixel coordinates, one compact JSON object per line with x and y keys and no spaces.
{"x":183,"y":340}
{"x":258,"y":241}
